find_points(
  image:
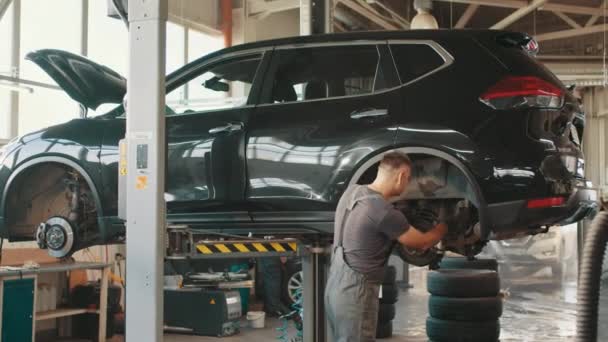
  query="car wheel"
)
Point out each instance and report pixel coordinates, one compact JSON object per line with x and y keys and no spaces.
{"x":384,"y":330}
{"x":292,"y":285}
{"x":465,"y":309}
{"x":463,"y":283}
{"x":386,"y":313}
{"x":440,"y":330}
{"x":390,"y":294}
{"x":464,"y":263}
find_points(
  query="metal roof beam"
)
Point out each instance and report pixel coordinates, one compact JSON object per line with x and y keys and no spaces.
{"x":259,"y":7}
{"x":395,"y":16}
{"x":595,"y":17}
{"x":466,"y":16}
{"x":570,"y":33}
{"x":4,"y":6}
{"x":567,"y":19}
{"x":571,"y":9}
{"x":374,"y":17}
{"x":518,"y":14}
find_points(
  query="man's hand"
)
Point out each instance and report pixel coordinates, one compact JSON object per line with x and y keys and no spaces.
{"x":416,"y":239}
{"x":423,"y":219}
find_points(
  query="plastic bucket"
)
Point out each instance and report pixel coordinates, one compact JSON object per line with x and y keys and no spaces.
{"x":256,"y":319}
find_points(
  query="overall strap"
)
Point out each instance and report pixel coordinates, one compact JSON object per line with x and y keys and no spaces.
{"x":349,"y":209}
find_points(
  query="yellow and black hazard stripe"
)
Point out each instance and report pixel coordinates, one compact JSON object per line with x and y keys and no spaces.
{"x":247,"y":247}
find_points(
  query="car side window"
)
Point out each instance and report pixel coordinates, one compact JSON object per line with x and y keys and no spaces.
{"x":225,"y":84}
{"x":302,"y":74}
{"x":415,"y":60}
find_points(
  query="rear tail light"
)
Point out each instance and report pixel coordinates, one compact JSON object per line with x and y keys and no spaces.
{"x":523,"y":91}
{"x":546,"y":202}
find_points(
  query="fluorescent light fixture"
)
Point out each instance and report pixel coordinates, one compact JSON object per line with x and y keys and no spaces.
{"x":16,"y":87}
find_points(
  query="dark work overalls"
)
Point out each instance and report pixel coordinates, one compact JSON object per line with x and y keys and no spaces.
{"x":351,"y":297}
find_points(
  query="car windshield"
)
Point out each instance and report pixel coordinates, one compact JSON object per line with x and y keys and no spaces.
{"x":225,"y":84}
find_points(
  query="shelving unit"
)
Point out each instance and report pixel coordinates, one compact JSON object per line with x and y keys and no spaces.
{"x":62,"y":312}
{"x":33,"y":317}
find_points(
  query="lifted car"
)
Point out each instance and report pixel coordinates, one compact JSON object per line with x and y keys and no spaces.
{"x":263,"y":138}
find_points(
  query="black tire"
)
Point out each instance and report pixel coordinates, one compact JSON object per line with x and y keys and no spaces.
{"x":390,"y":275}
{"x":386,"y":313}
{"x":465,"y":309}
{"x":384,"y":330}
{"x":451,"y":263}
{"x":390,"y":294}
{"x":455,"y":331}
{"x":463,"y":283}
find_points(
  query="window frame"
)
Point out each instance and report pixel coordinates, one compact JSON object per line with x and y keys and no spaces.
{"x":385,"y":62}
{"x":198,"y":67}
{"x":448,"y":59}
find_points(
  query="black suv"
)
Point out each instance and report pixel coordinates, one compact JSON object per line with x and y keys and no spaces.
{"x":265,"y":137}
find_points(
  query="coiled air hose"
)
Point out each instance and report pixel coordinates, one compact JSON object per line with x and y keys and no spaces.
{"x":590,"y":279}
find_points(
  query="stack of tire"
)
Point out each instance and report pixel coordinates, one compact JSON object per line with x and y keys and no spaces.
{"x":386,"y":310}
{"x":465,"y":304}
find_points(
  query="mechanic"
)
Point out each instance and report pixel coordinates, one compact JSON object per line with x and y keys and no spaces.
{"x":366,"y":228}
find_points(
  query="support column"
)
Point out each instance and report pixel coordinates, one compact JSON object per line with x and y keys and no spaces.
{"x":15,"y":68}
{"x":316,"y":17}
{"x":315,"y":264}
{"x":146,"y":149}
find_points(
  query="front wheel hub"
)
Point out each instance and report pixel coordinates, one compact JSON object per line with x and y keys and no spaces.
{"x":57,"y":235}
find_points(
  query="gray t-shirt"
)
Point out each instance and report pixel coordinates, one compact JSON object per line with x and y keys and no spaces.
{"x":372,"y":224}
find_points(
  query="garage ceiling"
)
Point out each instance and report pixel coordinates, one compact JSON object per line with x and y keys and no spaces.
{"x":568,"y":28}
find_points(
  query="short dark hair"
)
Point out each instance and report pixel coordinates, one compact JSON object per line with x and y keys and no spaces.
{"x":394,"y":160}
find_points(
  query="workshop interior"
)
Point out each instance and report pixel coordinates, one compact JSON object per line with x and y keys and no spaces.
{"x":191,"y":170}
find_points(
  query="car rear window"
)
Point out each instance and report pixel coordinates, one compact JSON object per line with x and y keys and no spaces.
{"x":312,"y":73}
{"x":415,"y":60}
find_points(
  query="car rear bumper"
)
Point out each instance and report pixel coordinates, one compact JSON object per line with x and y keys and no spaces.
{"x":514,"y":216}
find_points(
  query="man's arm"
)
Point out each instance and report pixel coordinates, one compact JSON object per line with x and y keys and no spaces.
{"x":414,"y":238}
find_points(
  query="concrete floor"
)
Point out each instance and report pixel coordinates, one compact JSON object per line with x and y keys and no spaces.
{"x":536,"y":308}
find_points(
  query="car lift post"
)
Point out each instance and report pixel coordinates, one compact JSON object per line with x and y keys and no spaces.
{"x":145,"y":136}
{"x":315,"y":264}
{"x":315,"y":18}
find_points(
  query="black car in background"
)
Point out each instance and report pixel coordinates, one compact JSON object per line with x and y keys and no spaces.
{"x":263,"y":138}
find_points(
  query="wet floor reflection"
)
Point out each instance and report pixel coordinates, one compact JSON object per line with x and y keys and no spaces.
{"x":539,"y":294}
{"x":536,"y":308}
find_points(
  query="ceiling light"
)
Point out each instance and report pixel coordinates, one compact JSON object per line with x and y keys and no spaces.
{"x":424,"y":19}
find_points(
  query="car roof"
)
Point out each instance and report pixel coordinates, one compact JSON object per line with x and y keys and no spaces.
{"x":441,"y":34}
{"x":353,"y":36}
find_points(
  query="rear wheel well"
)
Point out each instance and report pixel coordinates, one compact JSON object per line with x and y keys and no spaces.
{"x":439,"y":184}
{"x":44,"y":190}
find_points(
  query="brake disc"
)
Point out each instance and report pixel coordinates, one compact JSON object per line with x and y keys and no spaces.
{"x":430,"y":257}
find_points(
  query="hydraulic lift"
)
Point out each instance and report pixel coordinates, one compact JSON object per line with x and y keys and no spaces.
{"x":187,"y":243}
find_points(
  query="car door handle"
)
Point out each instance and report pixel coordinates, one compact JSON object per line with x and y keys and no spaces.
{"x":368,"y":113}
{"x":230,"y":127}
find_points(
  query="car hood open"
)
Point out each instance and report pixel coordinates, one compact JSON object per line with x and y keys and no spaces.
{"x":85,"y":81}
